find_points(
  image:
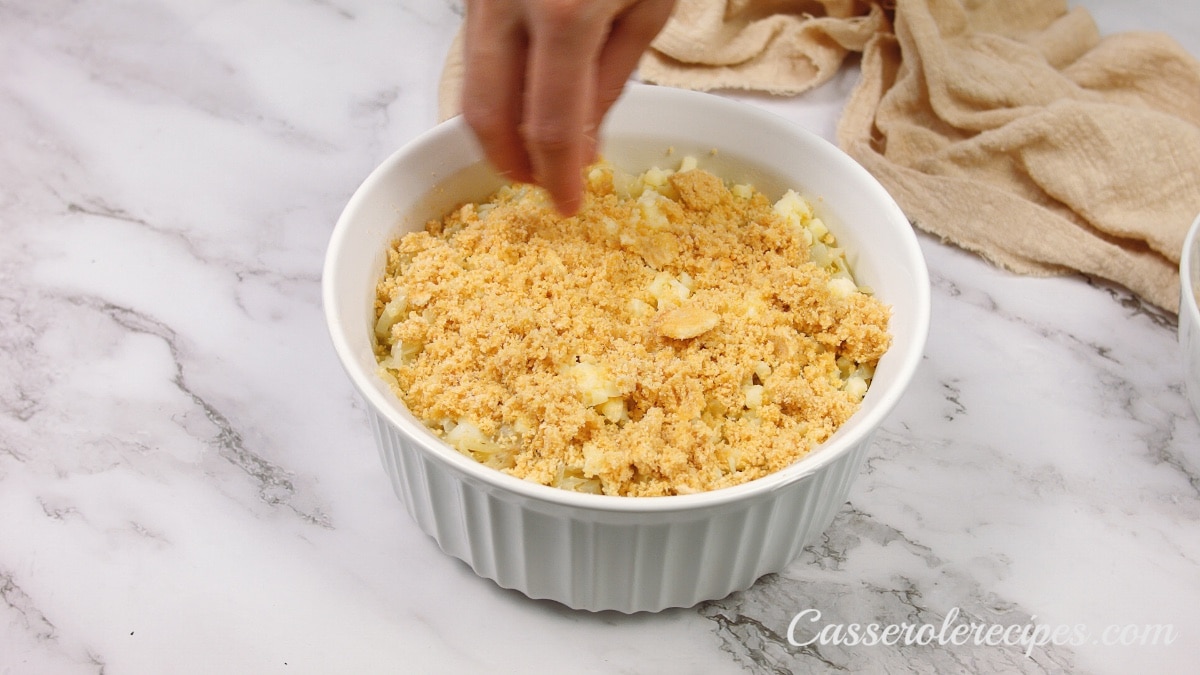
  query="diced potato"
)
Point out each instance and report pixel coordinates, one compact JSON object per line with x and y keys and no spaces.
{"x":754,"y":395}
{"x":392,"y":312}
{"x":404,"y":351}
{"x":595,"y":384}
{"x":668,"y":291}
{"x":794,"y":209}
{"x":640,"y":308}
{"x":650,"y":206}
{"x":656,"y":177}
{"x":626,"y":185}
{"x":466,"y":437}
{"x":614,"y":410}
{"x":687,"y":281}
{"x":818,"y":229}
{"x":856,"y":387}
{"x":762,"y":369}
{"x":842,"y":287}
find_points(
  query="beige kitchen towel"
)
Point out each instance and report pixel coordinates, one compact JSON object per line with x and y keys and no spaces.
{"x":777,"y":46}
{"x":1015,"y":130}
{"x":449,"y":94}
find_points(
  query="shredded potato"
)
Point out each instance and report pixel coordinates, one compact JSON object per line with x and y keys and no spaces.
{"x":677,"y":335}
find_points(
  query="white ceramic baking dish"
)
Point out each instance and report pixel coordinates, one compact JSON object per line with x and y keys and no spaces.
{"x":600,"y":552}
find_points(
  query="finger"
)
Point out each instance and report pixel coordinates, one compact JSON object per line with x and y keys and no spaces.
{"x":560,"y":97}
{"x":495,"y":49}
{"x":630,"y":35}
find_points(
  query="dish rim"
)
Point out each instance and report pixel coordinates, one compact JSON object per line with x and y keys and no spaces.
{"x":1188,"y":300}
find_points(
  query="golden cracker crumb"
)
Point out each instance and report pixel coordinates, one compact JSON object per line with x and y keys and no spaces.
{"x":672,"y":337}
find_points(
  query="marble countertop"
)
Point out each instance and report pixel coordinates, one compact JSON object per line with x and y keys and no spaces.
{"x":187,"y":483}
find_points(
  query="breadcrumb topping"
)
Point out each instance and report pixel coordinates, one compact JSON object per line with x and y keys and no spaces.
{"x":678,"y":335}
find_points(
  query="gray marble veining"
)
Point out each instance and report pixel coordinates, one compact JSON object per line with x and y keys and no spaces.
{"x":187,"y":483}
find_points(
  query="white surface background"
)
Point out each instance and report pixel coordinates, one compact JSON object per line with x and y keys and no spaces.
{"x":187,"y":483}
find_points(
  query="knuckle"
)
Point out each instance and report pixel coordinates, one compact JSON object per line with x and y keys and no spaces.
{"x":566,"y":14}
{"x":486,"y":119}
{"x":550,"y":136}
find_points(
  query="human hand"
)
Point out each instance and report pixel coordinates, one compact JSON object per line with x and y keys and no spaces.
{"x":541,"y":74}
